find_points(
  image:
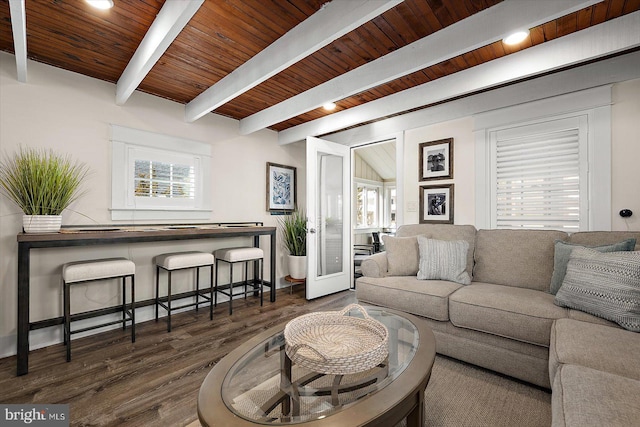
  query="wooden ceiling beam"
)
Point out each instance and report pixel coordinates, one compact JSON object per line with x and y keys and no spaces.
{"x":617,"y":35}
{"x":478,"y":30}
{"x":19,"y":29}
{"x":331,"y":22}
{"x":170,"y":21}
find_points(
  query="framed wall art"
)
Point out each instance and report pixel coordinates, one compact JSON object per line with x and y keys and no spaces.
{"x":281,"y":188}
{"x":436,"y":159}
{"x":436,"y":204}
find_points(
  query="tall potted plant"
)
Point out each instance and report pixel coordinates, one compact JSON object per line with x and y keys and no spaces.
{"x":42,"y":183}
{"x":294,"y":232}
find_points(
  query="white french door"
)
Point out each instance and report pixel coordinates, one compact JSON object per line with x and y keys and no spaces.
{"x":328,"y":211}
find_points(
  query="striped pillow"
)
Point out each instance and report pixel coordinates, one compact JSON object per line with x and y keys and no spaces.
{"x":606,"y":285}
{"x":443,"y":260}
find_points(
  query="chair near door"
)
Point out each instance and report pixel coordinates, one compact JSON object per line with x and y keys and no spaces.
{"x":361,"y":252}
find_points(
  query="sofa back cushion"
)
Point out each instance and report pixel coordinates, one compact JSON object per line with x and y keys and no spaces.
{"x":402,"y":255}
{"x":599,"y":238}
{"x":521,"y":258}
{"x":443,"y":232}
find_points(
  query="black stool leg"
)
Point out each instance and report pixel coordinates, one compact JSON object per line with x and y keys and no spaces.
{"x":169,"y":301}
{"x":215,"y":287}
{"x":124,"y":303}
{"x":211,"y":294}
{"x":67,"y":320}
{"x":261,"y":281}
{"x":197,"y":287}
{"x":157,"y":290}
{"x":246,"y":278}
{"x":230,"y":288}
{"x":133,"y":309}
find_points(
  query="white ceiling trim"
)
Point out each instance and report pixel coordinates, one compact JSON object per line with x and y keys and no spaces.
{"x":19,"y":28}
{"x":612,"y":36}
{"x":481,"y":29}
{"x":612,"y":70}
{"x":332,"y":21}
{"x":171,"y":19}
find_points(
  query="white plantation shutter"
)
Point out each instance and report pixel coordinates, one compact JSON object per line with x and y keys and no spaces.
{"x":540,"y":176}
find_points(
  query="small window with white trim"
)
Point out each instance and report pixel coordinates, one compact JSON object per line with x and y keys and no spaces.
{"x":159,"y":177}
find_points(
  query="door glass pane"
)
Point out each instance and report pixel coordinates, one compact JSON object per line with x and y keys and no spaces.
{"x":330,"y":199}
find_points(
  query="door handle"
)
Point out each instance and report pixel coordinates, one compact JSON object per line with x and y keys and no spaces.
{"x":312,"y":230}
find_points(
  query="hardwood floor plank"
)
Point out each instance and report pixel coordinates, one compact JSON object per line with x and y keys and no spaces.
{"x":154,"y":381}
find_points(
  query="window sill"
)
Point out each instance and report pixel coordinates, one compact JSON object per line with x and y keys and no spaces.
{"x":152,"y":214}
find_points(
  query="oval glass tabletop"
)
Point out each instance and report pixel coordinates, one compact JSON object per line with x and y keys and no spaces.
{"x":265,"y":387}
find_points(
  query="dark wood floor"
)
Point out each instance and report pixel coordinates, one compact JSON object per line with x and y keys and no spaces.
{"x":155,"y":381}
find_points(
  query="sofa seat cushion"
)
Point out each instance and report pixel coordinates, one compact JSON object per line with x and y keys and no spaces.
{"x":588,"y":397}
{"x":607,"y":349}
{"x":428,"y":298}
{"x":517,"y":313}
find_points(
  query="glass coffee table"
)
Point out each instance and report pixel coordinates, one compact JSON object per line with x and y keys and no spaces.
{"x":257,"y":383}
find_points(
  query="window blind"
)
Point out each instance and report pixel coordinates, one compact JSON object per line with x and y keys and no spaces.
{"x":537,"y":180}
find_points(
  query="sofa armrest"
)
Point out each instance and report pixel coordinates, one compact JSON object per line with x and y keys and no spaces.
{"x":375,"y":265}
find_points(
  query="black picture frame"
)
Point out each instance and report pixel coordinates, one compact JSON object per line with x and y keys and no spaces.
{"x":436,"y":159}
{"x":281,"y":188}
{"x":436,"y":204}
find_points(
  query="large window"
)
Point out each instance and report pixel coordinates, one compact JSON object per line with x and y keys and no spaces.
{"x":546,"y":164}
{"x":538,"y":178}
{"x":159,"y":177}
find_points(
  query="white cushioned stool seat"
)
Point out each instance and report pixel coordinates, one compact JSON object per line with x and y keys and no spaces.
{"x":97,"y":269}
{"x":179,"y":260}
{"x":238,"y":254}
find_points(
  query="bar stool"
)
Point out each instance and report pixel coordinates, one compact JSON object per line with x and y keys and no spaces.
{"x":234,"y":255}
{"x":88,"y":271}
{"x":181,"y":261}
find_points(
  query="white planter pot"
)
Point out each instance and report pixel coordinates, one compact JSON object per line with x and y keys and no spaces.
{"x":298,"y":267}
{"x":41,"y":223}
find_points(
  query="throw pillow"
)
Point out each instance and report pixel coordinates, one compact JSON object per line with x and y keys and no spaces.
{"x":606,"y":285}
{"x":443,"y":260}
{"x":402,"y":255}
{"x":563,"y":251}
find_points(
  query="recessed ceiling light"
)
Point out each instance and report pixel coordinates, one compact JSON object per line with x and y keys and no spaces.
{"x":329,"y":106}
{"x":516,"y":37}
{"x":101,"y":4}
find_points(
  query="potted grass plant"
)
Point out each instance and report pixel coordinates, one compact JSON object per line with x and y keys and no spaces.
{"x":42,"y":183}
{"x":294,"y":232}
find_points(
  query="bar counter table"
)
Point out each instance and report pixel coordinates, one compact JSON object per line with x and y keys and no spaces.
{"x":118,"y":234}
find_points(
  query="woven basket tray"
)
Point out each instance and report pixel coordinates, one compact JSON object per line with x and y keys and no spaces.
{"x":331,"y":343}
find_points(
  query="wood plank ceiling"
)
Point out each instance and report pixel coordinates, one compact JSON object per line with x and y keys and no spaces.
{"x":222,"y":35}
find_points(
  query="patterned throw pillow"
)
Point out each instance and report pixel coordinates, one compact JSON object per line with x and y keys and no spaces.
{"x":606,"y":285}
{"x":443,"y":260}
{"x":563,"y":251}
{"x":402,"y":255}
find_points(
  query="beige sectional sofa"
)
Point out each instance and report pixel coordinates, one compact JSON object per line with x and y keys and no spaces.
{"x":506,"y":319}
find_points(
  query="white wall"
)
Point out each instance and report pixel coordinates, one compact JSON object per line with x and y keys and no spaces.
{"x":625,"y":153}
{"x":71,"y":113}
